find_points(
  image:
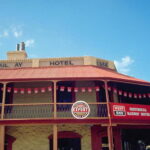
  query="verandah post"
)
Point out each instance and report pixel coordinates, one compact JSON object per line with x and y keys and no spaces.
{"x":55,"y":137}
{"x":109,"y":127}
{"x":55,"y":98}
{"x":3,"y":100}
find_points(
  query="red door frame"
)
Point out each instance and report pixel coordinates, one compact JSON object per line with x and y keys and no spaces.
{"x":97,"y":132}
{"x":10,"y":140}
{"x":66,"y":134}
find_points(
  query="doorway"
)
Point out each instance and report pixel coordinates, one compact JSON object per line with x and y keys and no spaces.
{"x":135,"y":139}
{"x":67,"y":144}
{"x":67,"y":140}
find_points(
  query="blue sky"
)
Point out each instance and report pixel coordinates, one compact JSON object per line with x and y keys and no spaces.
{"x":117,"y":30}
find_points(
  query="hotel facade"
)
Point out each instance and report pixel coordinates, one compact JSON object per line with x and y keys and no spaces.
{"x":37,"y":98}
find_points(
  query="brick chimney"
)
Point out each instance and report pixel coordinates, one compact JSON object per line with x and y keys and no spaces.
{"x":19,"y":53}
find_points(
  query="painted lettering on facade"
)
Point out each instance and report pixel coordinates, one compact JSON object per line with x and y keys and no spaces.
{"x":102,"y":64}
{"x":3,"y":65}
{"x":11,"y":65}
{"x":61,"y":63}
{"x":130,"y":111}
{"x":18,"y":64}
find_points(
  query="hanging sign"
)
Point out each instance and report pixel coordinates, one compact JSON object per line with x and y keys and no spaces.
{"x":130,"y":111}
{"x":80,"y":110}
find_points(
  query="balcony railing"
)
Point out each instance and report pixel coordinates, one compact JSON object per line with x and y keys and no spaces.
{"x":21,"y":111}
{"x":46,"y":111}
{"x":97,"y":110}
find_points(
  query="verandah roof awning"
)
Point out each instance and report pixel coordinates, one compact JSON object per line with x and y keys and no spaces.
{"x":65,"y":72}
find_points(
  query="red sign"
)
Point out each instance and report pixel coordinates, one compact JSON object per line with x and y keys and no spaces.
{"x":129,"y":111}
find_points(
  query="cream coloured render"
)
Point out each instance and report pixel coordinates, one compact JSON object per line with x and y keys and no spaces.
{"x":36,"y":137}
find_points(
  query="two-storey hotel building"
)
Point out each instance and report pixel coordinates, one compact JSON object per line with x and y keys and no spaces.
{"x":36,"y":98}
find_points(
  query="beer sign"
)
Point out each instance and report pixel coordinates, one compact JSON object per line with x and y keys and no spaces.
{"x":80,"y":110}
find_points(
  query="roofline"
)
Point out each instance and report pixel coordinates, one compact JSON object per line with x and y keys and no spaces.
{"x":78,"y":79}
{"x":24,"y":68}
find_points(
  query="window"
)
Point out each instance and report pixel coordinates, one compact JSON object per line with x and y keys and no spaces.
{"x":100,"y":95}
{"x":65,"y":96}
{"x":105,"y":143}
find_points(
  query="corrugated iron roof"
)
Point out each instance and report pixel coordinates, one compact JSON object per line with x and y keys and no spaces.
{"x":65,"y":72}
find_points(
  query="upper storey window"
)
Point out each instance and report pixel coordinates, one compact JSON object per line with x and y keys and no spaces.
{"x":64,"y":95}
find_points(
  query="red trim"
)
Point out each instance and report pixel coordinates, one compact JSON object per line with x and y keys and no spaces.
{"x":10,"y":141}
{"x":129,"y":111}
{"x":55,"y":121}
{"x":97,"y":133}
{"x":75,"y":121}
{"x":134,"y":127}
{"x":95,"y":140}
{"x":66,"y":134}
{"x":117,"y":139}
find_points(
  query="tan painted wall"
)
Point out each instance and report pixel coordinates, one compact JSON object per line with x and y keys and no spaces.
{"x":16,"y":55}
{"x":47,"y":96}
{"x":86,"y":96}
{"x":47,"y":111}
{"x":33,"y":98}
{"x":36,"y":137}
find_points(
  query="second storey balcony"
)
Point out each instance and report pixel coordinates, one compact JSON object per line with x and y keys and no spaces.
{"x":48,"y":100}
{"x":53,"y":100}
{"x":46,"y":111}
